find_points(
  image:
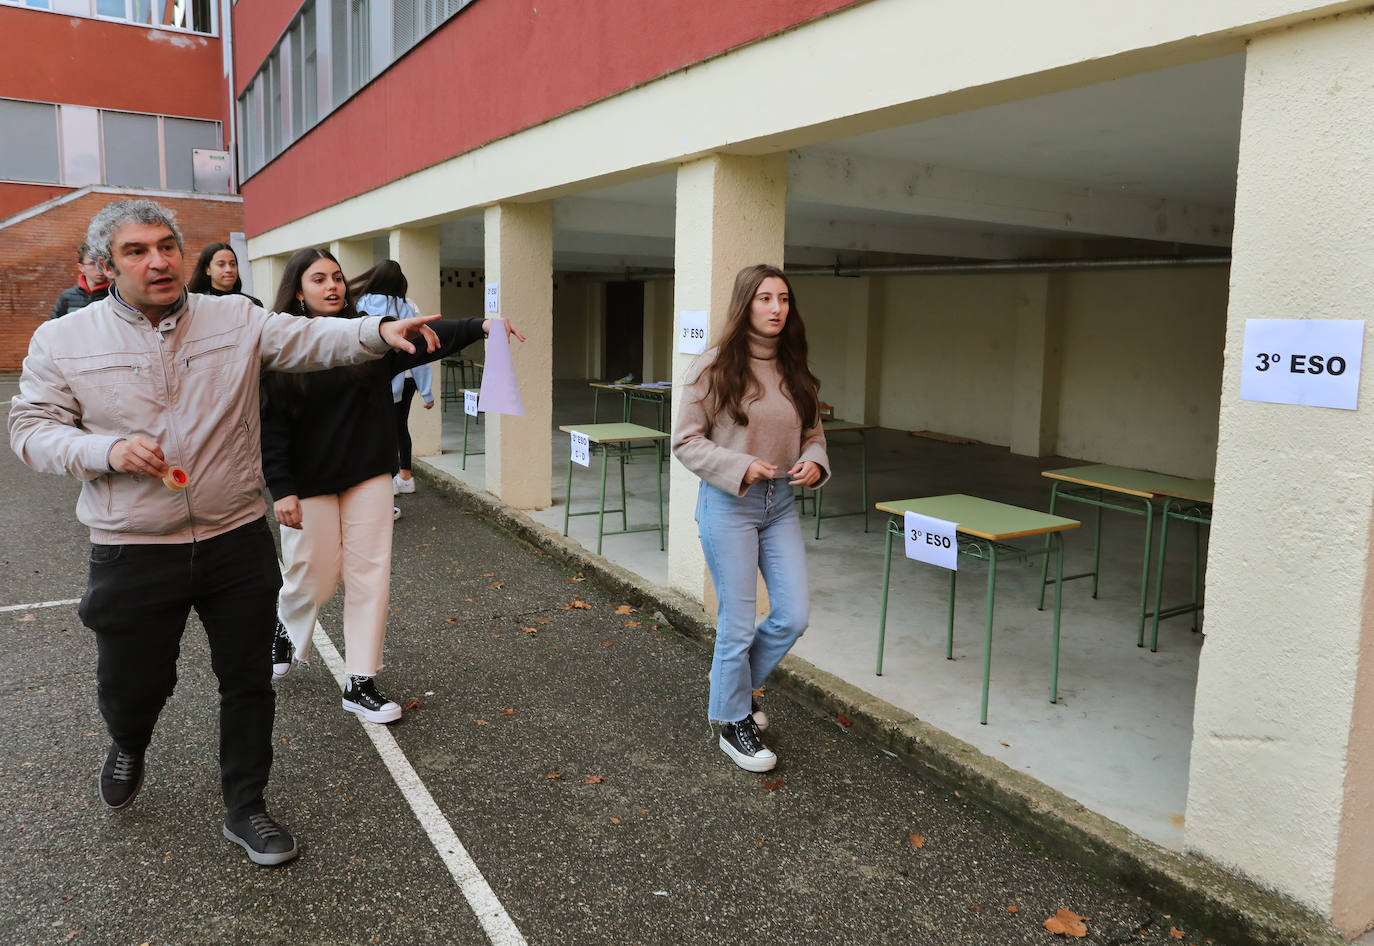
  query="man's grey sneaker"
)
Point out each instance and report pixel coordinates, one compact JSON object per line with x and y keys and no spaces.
{"x":361,"y":697}
{"x":282,"y":651}
{"x":760,"y":717}
{"x":266,"y":842}
{"x":743,"y":744}
{"x":120,"y":777}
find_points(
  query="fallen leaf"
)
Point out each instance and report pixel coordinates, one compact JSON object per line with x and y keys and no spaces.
{"x":554,"y":775}
{"x":496,"y":584}
{"x":973,"y":908}
{"x":615,"y":820}
{"x":482,"y":722}
{"x":1012,"y":908}
{"x":607,"y":643}
{"x":508,"y":712}
{"x":488,"y":574}
{"x":577,"y":579}
{"x":413,"y":704}
{"x":624,"y":609}
{"x":917,"y":841}
{"x":285,"y":740}
{"x":1007,"y":744}
{"x":34,"y":617}
{"x":632,"y":624}
{"x":451,"y":620}
{"x":594,"y":779}
{"x":758,"y":692}
{"x":495,"y":636}
{"x":1175,"y":932}
{"x":645,"y":811}
{"x":844,"y":720}
{"x":773,"y":784}
{"x":530,"y":630}
{"x":1067,"y":923}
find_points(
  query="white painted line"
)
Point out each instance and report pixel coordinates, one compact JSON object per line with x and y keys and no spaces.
{"x":499,"y":927}
{"x":39,"y":604}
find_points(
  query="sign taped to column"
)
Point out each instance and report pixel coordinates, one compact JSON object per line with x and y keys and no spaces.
{"x":691,"y":339}
{"x":1312,"y":362}
{"x":933,"y":541}
{"x":470,"y":402}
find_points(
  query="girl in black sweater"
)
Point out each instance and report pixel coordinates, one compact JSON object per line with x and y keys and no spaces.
{"x":329,"y":452}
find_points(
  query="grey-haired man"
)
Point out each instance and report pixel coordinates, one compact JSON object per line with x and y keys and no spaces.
{"x":116,"y":395}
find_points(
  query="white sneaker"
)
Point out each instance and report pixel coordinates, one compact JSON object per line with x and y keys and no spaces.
{"x":395,"y":513}
{"x":399,"y":484}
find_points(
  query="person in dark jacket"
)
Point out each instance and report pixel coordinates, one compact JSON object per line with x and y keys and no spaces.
{"x":217,"y":273}
{"x":92,"y":285}
{"x":329,"y":452}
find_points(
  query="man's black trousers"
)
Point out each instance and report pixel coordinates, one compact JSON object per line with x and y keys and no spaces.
{"x":137,"y":601}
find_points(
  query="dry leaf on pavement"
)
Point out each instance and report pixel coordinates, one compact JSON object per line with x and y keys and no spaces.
{"x":773,"y":784}
{"x":1067,"y":923}
{"x":1175,"y":933}
{"x":413,"y":704}
{"x":496,"y":584}
{"x":844,"y":720}
{"x":624,"y":609}
{"x":554,"y":775}
{"x":594,"y":779}
{"x":917,"y":841}
{"x":632,"y":624}
{"x":530,"y":630}
{"x":577,"y":579}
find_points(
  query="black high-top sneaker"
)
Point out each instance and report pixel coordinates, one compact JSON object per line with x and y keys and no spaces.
{"x":282,"y":651}
{"x":743,"y":744}
{"x":361,"y":697}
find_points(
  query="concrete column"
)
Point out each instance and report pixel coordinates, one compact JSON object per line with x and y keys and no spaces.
{"x":1034,"y":400}
{"x":267,"y":273}
{"x":354,"y":256}
{"x":658,"y":318}
{"x":417,"y":250}
{"x":519,"y":260}
{"x":1281,"y":778}
{"x":596,"y":329}
{"x":730,"y":214}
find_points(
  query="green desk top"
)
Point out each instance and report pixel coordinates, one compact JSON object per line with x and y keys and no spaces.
{"x":840,"y":426}
{"x":615,"y":433}
{"x":982,"y":517}
{"x":1121,"y":479}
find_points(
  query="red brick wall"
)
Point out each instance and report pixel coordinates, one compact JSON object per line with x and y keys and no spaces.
{"x":38,"y":257}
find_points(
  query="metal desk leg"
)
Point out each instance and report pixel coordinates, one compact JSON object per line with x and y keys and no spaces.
{"x":465,"y":449}
{"x":1197,"y":553}
{"x":817,"y":498}
{"x":1159,"y":574}
{"x":863,"y":474}
{"x":567,"y":499}
{"x":658,"y":474}
{"x":596,"y":403}
{"x":1097,"y":551}
{"x":882,"y":608}
{"x":1045,"y":564}
{"x":624,"y":503}
{"x":1145,"y":570}
{"x":987,"y":631}
{"x":949,"y":633}
{"x":601,"y":510}
{"x":1058,"y":593}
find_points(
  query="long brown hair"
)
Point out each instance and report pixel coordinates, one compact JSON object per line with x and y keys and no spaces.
{"x":729,"y":378}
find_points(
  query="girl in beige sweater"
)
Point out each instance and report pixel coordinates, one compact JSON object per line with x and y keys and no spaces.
{"x":749,"y":426}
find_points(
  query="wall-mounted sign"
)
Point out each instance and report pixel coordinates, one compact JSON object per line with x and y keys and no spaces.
{"x":1314,"y":362}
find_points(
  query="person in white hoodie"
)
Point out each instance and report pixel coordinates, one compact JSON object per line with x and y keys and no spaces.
{"x":134,"y":388}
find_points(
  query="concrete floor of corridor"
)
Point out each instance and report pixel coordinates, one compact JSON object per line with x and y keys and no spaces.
{"x":1119,"y":737}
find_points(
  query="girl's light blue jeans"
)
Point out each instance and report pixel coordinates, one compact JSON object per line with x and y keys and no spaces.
{"x":742,"y":536}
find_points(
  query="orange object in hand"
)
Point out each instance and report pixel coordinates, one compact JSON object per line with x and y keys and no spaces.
{"x":176,"y":479}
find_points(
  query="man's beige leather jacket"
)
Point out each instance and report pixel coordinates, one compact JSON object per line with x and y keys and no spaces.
{"x":105,"y":373}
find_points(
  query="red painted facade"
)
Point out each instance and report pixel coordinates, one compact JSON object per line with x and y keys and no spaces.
{"x":497,"y":67}
{"x":72,"y":60}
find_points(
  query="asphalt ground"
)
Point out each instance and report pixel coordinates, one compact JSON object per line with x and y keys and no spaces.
{"x":566,"y":747}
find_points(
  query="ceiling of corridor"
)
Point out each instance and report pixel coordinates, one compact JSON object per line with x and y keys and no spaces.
{"x":1140,"y":165}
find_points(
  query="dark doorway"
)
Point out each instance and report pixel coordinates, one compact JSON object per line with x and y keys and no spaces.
{"x":624,"y":330}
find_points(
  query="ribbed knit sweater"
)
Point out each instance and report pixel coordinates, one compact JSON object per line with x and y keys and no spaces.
{"x":719,"y":451}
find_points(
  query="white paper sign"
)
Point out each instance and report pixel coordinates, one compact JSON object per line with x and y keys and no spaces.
{"x":932,"y":541}
{"x":500,"y":394}
{"x":1314,"y":362}
{"x":691,"y":339}
{"x":470,"y":403}
{"x":581,"y":448}
{"x":493,"y":298}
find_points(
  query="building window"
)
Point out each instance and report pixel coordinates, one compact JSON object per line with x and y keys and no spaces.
{"x":182,"y":136}
{"x":133,"y":157}
{"x":28,"y":148}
